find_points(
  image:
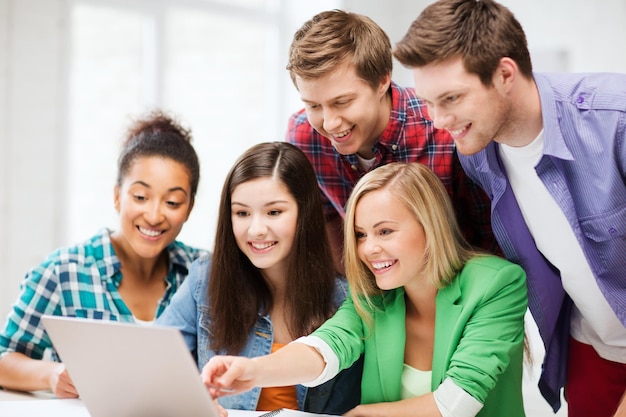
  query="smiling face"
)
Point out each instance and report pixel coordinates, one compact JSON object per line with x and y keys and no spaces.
{"x":264,"y":217}
{"x":346,"y":109}
{"x":153,"y":201}
{"x":390,"y":240}
{"x":457,"y":101}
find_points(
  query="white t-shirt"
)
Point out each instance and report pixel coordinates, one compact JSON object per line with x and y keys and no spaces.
{"x":593,"y":321}
{"x":365,"y":164}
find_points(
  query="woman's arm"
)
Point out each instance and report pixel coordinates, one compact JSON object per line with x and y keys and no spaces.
{"x":19,"y":372}
{"x":423,"y":406}
{"x":294,"y":364}
{"x":23,"y":340}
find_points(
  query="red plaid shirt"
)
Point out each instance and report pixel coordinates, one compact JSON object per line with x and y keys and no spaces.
{"x":409,"y":137}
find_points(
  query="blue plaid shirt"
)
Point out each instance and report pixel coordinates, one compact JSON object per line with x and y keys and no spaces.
{"x":80,"y":281}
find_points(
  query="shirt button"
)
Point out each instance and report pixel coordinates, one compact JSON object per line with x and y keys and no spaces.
{"x":613,"y":231}
{"x":354,"y":168}
{"x":394,"y":147}
{"x":580,"y":99}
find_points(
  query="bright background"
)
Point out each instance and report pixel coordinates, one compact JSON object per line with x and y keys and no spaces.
{"x":74,"y":72}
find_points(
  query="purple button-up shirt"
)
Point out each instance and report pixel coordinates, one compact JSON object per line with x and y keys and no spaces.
{"x":583,"y":166}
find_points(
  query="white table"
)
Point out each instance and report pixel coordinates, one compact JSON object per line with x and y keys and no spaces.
{"x":8,"y":395}
{"x":44,"y":404}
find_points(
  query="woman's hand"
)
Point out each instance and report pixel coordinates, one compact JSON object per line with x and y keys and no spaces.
{"x":61,"y":384}
{"x":221,"y":410}
{"x":226,"y":375}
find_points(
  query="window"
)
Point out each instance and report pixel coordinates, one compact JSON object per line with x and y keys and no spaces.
{"x":216,"y":66}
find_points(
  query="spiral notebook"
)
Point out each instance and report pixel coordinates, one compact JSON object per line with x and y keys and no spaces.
{"x":129,"y":370}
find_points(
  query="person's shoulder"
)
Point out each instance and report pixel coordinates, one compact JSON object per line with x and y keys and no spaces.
{"x":489,"y":261}
{"x":405,"y":95}
{"x":487,"y":266}
{"x":79,"y":257}
{"x":299,"y":129}
{"x":584,"y":90}
{"x":581,"y":78}
{"x":603,"y":90}
{"x":185,"y":254}
{"x":486,"y":275}
{"x":299,"y":117}
{"x":87,"y":251}
{"x":405,"y":102}
{"x":201,"y":265}
{"x":198,"y":276}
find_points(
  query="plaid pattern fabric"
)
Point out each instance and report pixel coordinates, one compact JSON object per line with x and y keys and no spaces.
{"x":409,"y":137}
{"x":79,"y":281}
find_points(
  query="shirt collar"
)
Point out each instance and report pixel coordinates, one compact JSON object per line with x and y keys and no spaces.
{"x":397,"y":118}
{"x":111,"y":267}
{"x":554,"y":144}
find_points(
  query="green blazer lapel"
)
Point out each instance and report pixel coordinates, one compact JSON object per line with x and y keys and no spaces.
{"x":390,"y":337}
{"x":446,"y":330}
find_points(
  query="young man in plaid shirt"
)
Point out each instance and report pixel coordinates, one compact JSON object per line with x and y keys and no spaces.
{"x":356,"y":119}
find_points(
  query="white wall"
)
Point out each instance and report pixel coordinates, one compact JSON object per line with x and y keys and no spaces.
{"x":587,"y":34}
{"x":32,"y":123}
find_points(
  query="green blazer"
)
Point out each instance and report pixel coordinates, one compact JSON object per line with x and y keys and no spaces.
{"x":479,"y":338}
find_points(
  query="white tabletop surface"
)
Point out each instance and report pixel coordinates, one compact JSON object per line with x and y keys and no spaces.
{"x":43,"y":404}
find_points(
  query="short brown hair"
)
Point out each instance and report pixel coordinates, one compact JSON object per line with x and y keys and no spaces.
{"x":481,"y":32}
{"x":334,"y":37}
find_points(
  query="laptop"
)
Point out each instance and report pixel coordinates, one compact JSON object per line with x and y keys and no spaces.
{"x":129,"y":370}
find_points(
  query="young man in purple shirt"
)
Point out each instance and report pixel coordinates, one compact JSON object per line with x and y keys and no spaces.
{"x":550,"y":150}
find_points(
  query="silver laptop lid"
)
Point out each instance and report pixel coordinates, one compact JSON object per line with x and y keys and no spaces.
{"x":128,"y":370}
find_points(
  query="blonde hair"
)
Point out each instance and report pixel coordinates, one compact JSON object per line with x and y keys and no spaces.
{"x":422,"y":192}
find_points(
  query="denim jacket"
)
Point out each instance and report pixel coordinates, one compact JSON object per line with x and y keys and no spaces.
{"x":188,"y":311}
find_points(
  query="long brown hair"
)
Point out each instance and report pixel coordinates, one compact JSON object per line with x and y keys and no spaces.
{"x":237,"y":289}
